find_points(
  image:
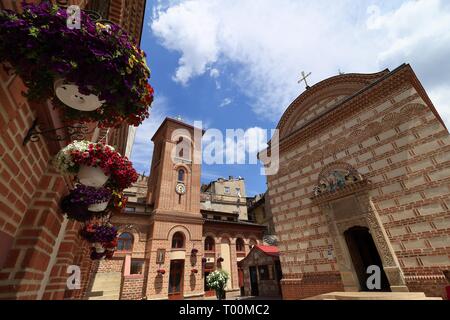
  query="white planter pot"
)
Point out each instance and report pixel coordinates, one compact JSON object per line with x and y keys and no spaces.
{"x":98,"y":207}
{"x":98,"y":247}
{"x":69,"y":95}
{"x":92,"y":176}
{"x":100,"y":250}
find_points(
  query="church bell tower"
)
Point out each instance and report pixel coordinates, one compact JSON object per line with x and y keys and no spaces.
{"x":174,"y":183}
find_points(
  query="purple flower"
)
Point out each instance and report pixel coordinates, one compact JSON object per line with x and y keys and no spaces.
{"x":40,"y":47}
{"x":86,"y":195}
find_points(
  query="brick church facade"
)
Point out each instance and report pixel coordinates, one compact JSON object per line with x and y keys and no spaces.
{"x":166,"y":250}
{"x":364,"y":180}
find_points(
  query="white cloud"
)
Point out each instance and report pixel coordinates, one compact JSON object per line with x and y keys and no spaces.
{"x":225,"y":102}
{"x":272,"y":41}
{"x":214,"y":73}
{"x":234,"y":146}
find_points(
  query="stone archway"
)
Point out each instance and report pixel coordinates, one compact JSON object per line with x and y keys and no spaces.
{"x":363,"y":253}
{"x":346,"y":205}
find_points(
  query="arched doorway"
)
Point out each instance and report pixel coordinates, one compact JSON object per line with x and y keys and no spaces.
{"x":364,"y":253}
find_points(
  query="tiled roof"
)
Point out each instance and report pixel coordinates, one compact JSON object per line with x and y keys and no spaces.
{"x":269,"y":250}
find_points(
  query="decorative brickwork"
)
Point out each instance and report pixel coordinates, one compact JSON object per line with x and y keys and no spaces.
{"x":390,"y":133}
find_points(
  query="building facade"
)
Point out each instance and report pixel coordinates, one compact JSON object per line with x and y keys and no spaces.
{"x":169,"y":244}
{"x":259,"y":211}
{"x":225,"y":195}
{"x":37,"y":243}
{"x":364,"y":180}
{"x":262,"y":272}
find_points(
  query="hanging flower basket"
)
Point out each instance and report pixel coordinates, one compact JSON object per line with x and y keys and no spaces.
{"x":220,"y":259}
{"x":194,"y":251}
{"x":161,"y":271}
{"x":92,"y":176}
{"x":98,"y":246}
{"x":69,"y":94}
{"x":96,"y":255}
{"x":97,"y":233}
{"x":94,"y":73}
{"x":111,"y":246}
{"x":84,"y":202}
{"x":109,"y":254}
{"x":96,"y":164}
{"x":118,"y":203}
{"x":194,"y":271}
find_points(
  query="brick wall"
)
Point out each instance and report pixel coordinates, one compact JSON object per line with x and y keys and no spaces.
{"x":132,"y":288}
{"x":405,"y":154}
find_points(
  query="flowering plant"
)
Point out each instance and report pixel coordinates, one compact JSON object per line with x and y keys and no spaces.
{"x":109,"y":254}
{"x":194,"y":271}
{"x":100,"y":59}
{"x":85,"y":195}
{"x":161,"y":271}
{"x":217,"y":280}
{"x":102,"y":233}
{"x":97,"y":255}
{"x":63,"y":161}
{"x":120,"y":169}
{"x":111,"y":246}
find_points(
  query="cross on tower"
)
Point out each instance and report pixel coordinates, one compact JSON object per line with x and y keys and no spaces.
{"x":304,"y":76}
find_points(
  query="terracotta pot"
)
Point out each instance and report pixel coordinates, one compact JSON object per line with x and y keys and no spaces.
{"x":69,"y":94}
{"x":92,"y":176}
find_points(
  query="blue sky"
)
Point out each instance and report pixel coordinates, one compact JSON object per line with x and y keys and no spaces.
{"x":235,"y":63}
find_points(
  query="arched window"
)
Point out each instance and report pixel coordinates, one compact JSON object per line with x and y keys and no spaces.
{"x":178,"y":240}
{"x":181,"y":175}
{"x":125,"y":242}
{"x":209,"y":244}
{"x":240,"y":245}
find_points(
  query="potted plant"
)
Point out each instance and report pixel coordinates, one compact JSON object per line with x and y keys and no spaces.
{"x":98,"y":234}
{"x":118,"y":169}
{"x":95,"y":71}
{"x":88,"y":173}
{"x":109,"y":254}
{"x":96,"y":164}
{"x":97,"y":255}
{"x":161,"y":271}
{"x":96,"y":199}
{"x":217,"y":280}
{"x":118,"y":203}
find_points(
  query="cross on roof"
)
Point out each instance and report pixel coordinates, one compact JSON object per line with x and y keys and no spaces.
{"x":304,"y":76}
